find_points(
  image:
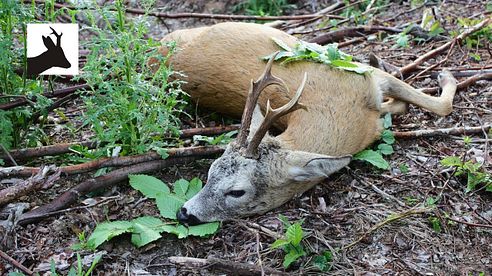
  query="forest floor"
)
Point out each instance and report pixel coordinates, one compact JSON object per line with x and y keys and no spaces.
{"x":414,"y":219}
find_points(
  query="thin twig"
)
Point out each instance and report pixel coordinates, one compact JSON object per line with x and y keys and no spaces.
{"x":390,"y":219}
{"x":441,"y":131}
{"x":116,"y":161}
{"x":470,"y":223}
{"x":464,"y":84}
{"x":412,"y":66}
{"x":15,"y":263}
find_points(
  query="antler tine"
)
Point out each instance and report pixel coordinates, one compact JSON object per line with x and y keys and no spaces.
{"x":58,"y":36}
{"x":271,"y":116}
{"x":255,"y":90}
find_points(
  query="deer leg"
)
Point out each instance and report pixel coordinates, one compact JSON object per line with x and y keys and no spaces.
{"x":394,"y":107}
{"x":399,"y":90}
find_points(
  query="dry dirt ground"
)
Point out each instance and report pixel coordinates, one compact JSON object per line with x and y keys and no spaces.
{"x":350,"y":206}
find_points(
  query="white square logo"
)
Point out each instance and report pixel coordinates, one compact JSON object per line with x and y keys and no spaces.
{"x":52,"y":49}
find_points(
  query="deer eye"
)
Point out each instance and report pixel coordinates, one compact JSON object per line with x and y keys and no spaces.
{"x":235,"y":193}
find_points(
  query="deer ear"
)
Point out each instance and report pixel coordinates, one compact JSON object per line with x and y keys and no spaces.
{"x":317,"y":167}
{"x":48,"y":42}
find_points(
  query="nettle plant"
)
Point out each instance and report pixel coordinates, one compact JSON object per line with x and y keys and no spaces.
{"x":147,"y":229}
{"x":129,"y":106}
{"x":384,"y":147}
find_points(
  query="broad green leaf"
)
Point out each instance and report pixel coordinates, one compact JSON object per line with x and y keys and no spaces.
{"x":107,"y":230}
{"x":285,"y":221}
{"x":180,"y":187}
{"x":488,"y":188}
{"x":146,"y":230}
{"x":294,"y":234}
{"x":385,"y":149}
{"x":388,"y":137}
{"x":148,"y":185}
{"x":452,"y":161}
{"x":194,"y":187}
{"x":279,"y":243}
{"x":203,"y":229}
{"x":169,"y":204}
{"x":373,"y":157}
{"x":344,"y":64}
{"x":387,"y":122}
{"x":321,"y":263}
{"x":281,"y":44}
{"x":291,"y":257}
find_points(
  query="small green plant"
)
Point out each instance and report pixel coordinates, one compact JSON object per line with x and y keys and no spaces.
{"x":222,"y":139}
{"x":435,"y":223}
{"x":147,"y":229}
{"x":385,"y":147}
{"x":328,"y":54}
{"x":470,"y":170}
{"x":264,"y":7}
{"x":130,"y":106}
{"x":74,"y":271}
{"x":477,"y":38}
{"x":324,"y":262}
{"x":291,"y":243}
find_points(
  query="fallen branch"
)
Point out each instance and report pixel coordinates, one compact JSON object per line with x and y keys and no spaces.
{"x":52,"y":150}
{"x":101,"y":182}
{"x":39,"y":181}
{"x":390,"y":219}
{"x":471,"y":224}
{"x":232,"y":267}
{"x":57,"y":93}
{"x":413,"y":66}
{"x":440,"y":132}
{"x":337,"y":35}
{"x":115,"y":161}
{"x":462,"y":85}
{"x":15,"y":263}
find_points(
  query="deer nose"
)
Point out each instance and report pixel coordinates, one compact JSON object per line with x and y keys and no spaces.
{"x":185,"y":218}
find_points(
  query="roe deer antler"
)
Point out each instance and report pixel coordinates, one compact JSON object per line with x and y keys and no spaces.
{"x":255,"y":89}
{"x":58,"y":37}
{"x":271,"y":116}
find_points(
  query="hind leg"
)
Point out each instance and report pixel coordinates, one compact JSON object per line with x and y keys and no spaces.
{"x":394,"y":107}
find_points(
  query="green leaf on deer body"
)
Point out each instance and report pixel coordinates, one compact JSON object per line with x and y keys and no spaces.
{"x":373,"y":157}
{"x":328,"y":54}
{"x":148,"y":185}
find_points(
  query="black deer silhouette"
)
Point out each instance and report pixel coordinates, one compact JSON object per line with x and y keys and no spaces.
{"x":53,"y":57}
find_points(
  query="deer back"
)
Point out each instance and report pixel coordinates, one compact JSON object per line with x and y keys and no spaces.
{"x":342,"y":115}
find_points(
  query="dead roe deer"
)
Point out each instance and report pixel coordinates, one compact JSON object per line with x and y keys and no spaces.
{"x":340,"y":116}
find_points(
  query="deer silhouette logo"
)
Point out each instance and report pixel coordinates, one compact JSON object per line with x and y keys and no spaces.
{"x":52,"y":57}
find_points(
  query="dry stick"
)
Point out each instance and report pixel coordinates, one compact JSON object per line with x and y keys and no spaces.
{"x":337,"y":35}
{"x":36,"y":182}
{"x":390,"y":219}
{"x":100,"y":182}
{"x":440,"y":131}
{"x":207,"y":15}
{"x":462,"y":85}
{"x":413,"y":66}
{"x":57,"y":93}
{"x":116,"y":161}
{"x":470,"y":223}
{"x":225,"y":265}
{"x":57,"y":149}
{"x":15,"y":263}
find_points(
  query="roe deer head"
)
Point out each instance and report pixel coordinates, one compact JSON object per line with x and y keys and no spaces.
{"x":52,"y":57}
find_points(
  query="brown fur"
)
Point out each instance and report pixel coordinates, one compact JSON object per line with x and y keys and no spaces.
{"x":343,"y":108}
